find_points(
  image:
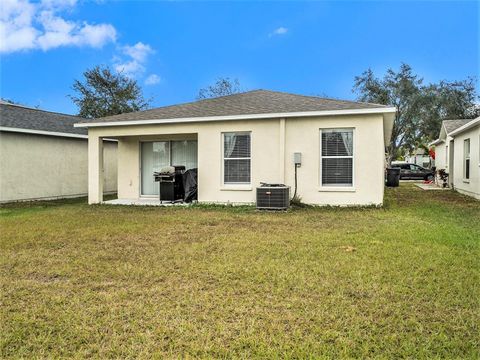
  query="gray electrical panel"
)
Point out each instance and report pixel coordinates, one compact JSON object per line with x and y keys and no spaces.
{"x":297,"y":158}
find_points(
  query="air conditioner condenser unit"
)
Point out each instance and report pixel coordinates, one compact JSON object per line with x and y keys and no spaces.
{"x":273,"y":197}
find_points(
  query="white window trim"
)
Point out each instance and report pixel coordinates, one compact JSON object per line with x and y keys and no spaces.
{"x":336,"y":188}
{"x":240,"y":186}
{"x":465,"y":158}
{"x":236,"y":187}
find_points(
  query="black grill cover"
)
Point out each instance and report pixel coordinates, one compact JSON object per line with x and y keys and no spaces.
{"x":190,"y":185}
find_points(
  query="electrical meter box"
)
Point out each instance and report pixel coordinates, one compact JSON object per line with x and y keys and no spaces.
{"x":297,"y":158}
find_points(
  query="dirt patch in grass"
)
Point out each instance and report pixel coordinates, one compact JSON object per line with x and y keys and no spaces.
{"x":222,"y":282}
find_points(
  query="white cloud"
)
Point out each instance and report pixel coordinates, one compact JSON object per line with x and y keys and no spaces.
{"x":16,"y":30}
{"x":136,"y":56}
{"x":152,"y":79}
{"x":25,"y":25}
{"x":97,"y":35}
{"x":58,"y":3}
{"x":279,"y":31}
{"x":138,"y":52}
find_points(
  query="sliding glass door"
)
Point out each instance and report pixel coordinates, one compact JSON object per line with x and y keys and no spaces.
{"x":158,"y":154}
{"x":184,"y":153}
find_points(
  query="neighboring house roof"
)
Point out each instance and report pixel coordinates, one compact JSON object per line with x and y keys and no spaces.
{"x":251,"y":104}
{"x":17,"y":118}
{"x":435,"y":142}
{"x":451,"y":125}
{"x":467,"y":126}
{"x":448,"y":127}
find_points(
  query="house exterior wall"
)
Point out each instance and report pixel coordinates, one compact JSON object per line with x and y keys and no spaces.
{"x":41,"y":167}
{"x":442,"y":159}
{"x":471,"y":186}
{"x":420,"y":160}
{"x":303,"y":135}
{"x":440,"y":156}
{"x":273,"y":142}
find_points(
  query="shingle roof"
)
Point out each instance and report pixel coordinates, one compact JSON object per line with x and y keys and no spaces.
{"x":468,"y":126}
{"x":247,"y":103}
{"x":20,"y":117}
{"x":451,"y":125}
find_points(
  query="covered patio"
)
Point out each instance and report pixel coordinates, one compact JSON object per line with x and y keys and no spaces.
{"x":139,"y":157}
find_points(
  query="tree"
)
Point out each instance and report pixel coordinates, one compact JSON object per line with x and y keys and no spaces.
{"x":420,"y":108}
{"x":9,"y":101}
{"x":401,"y":89}
{"x":105,"y":93}
{"x":222,"y":87}
{"x":14,"y":102}
{"x":447,"y":100}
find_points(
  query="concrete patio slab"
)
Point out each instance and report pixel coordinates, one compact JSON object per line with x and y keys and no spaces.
{"x":142,"y":202}
{"x":430,"y":186}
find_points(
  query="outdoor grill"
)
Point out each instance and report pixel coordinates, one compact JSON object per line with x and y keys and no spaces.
{"x":170,"y":180}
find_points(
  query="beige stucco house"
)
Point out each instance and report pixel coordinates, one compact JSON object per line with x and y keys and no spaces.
{"x":240,"y":140}
{"x":457,"y":151}
{"x":42,"y":156}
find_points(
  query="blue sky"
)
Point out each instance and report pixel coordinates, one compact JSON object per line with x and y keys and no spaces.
{"x":175,"y":48}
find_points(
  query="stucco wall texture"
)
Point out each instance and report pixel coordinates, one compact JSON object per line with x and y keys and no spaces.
{"x":454,"y":155}
{"x":273,"y":142}
{"x":36,"y":167}
{"x":470,"y":186}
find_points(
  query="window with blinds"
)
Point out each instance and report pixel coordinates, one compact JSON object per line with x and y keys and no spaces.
{"x":466,"y":159}
{"x":236,"y":158}
{"x":336,"y":157}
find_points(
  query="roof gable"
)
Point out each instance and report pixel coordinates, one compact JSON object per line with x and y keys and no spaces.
{"x":247,"y":103}
{"x":465,"y":127}
{"x":451,"y":125}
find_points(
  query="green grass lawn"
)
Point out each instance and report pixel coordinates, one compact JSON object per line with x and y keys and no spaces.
{"x":114,"y":281}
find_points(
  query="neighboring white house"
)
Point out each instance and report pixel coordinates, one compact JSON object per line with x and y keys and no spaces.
{"x":457,"y":151}
{"x":42,"y":156}
{"x":420,"y":157}
{"x":240,"y":140}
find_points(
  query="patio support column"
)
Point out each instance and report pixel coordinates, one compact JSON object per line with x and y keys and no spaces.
{"x":95,"y":169}
{"x":282,"y":150}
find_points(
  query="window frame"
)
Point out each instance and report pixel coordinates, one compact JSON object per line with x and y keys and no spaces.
{"x":140,"y":155}
{"x":140,"y":162}
{"x":334,"y":187}
{"x":235,"y":185}
{"x":465,"y":158}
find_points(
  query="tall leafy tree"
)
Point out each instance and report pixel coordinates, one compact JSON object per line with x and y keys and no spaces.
{"x":447,"y":100}
{"x":9,"y":101}
{"x":14,"y":102}
{"x":401,"y":89}
{"x":104,"y":92}
{"x":420,"y":108}
{"x":221,"y":87}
